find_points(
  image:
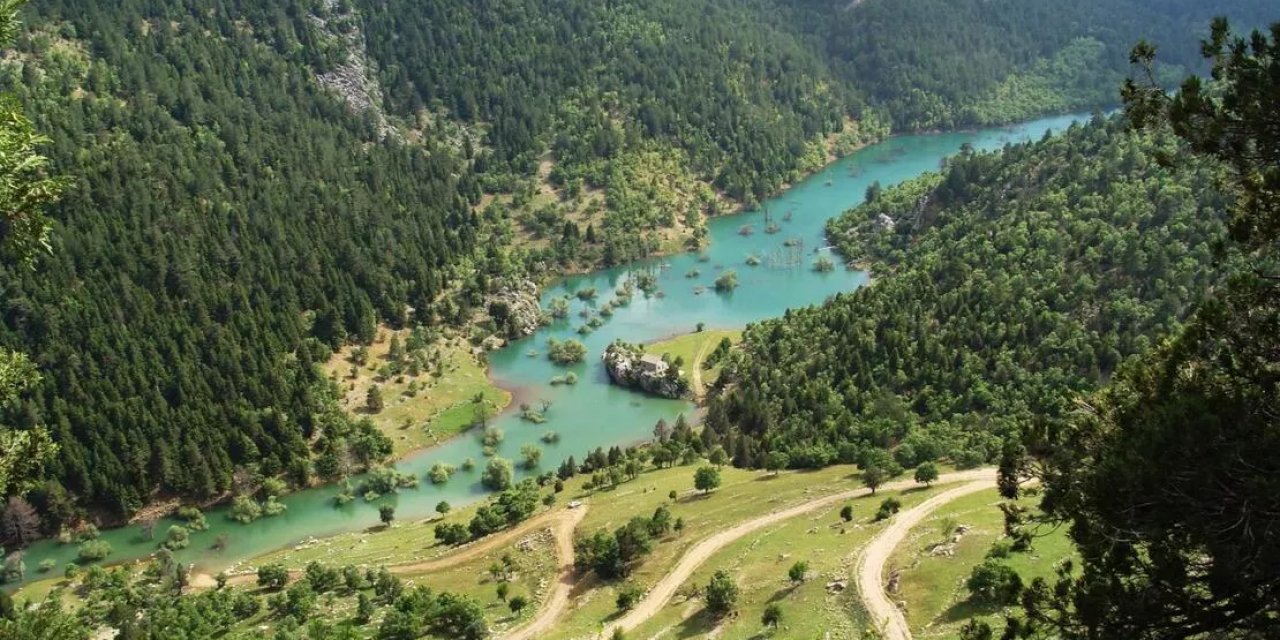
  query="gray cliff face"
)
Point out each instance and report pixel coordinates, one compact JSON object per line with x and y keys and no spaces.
{"x":631,"y":368}
{"x":515,"y":308}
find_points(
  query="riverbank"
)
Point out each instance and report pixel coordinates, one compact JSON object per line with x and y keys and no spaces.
{"x":592,"y":413}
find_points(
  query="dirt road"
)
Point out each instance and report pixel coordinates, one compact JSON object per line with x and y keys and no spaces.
{"x":555,"y":603}
{"x":661,"y":593}
{"x":698,"y":390}
{"x":562,"y":522}
{"x":871,"y":561}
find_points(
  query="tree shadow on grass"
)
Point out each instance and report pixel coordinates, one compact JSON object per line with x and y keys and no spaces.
{"x":694,"y":497}
{"x":584,"y":582}
{"x":967,"y":609}
{"x":697,"y":625}
{"x":781,"y":594}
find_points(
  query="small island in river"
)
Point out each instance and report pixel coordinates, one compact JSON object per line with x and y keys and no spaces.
{"x":629,"y":366}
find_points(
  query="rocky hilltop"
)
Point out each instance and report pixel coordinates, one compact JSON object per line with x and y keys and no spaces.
{"x":629,"y":366}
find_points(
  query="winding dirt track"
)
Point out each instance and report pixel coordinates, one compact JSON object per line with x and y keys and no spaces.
{"x":873,"y":557}
{"x":662,"y":592}
{"x":558,"y":600}
{"x":562,"y":523}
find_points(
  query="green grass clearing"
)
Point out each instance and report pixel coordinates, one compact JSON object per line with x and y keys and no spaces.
{"x":759,"y":564}
{"x":933,"y":585}
{"x":441,"y":408}
{"x":693,"y":348}
{"x":743,"y":495}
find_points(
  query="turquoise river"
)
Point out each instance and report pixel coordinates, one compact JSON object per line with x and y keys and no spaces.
{"x":593,"y":413}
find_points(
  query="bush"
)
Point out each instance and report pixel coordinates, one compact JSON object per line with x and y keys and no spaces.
{"x":452,"y":533}
{"x":628,"y":595}
{"x":1000,"y":549}
{"x":705,"y":479}
{"x":926,"y":473}
{"x":565,"y":352}
{"x":798,"y":571}
{"x":994,"y":583}
{"x":177,"y":538}
{"x":728,"y":281}
{"x":887,"y":508}
{"x":721,"y":594}
{"x":245,"y":509}
{"x":498,"y":474}
{"x":440,"y":473}
{"x":93,"y":550}
{"x":272,"y":576}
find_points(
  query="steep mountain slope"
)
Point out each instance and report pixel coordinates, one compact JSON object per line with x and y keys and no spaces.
{"x":946,"y":63}
{"x":255,"y":183}
{"x":1007,"y":284}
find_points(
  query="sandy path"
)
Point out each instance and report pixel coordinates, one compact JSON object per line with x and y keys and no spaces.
{"x":661,"y":593}
{"x":556,"y":603}
{"x":871,"y":561}
{"x":698,"y":390}
{"x":561,"y":521}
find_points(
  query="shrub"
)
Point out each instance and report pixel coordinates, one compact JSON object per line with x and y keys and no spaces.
{"x":93,"y":550}
{"x":994,"y":583}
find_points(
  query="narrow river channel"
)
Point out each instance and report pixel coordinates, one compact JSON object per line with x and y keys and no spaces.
{"x":593,"y":413}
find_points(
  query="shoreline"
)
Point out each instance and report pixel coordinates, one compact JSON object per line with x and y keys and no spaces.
{"x":515,"y":393}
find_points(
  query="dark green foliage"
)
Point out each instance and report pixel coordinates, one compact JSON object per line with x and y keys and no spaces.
{"x":888,"y":507}
{"x":706,"y":479}
{"x":1009,"y":284}
{"x":772,"y":615}
{"x":628,"y":595}
{"x":595,"y":82}
{"x":508,"y":508}
{"x":721,"y":594}
{"x":229,"y":221}
{"x":615,"y":554}
{"x":272,"y":576}
{"x":796,"y":573}
{"x":993,"y":584}
{"x":947,"y":63}
{"x":498,"y":474}
{"x":1169,"y":480}
{"x":224,"y":210}
{"x":926,"y":473}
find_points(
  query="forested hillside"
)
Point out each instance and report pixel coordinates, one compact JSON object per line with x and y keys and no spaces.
{"x":946,"y":63}
{"x":1009,"y":283}
{"x":254,"y":183}
{"x":222,"y":208}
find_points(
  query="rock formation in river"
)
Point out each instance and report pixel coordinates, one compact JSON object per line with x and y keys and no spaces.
{"x":631,"y":367}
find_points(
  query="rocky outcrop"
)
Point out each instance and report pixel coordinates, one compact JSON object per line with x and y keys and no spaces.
{"x":353,"y":78}
{"x":630,"y":367}
{"x":515,"y":309}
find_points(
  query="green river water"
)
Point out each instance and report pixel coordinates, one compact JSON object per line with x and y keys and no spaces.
{"x":593,"y":413}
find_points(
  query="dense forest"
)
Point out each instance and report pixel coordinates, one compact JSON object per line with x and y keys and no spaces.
{"x":1167,"y":478}
{"x":932,"y":64}
{"x":1009,"y":283}
{"x":226,"y":222}
{"x":251,"y":184}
